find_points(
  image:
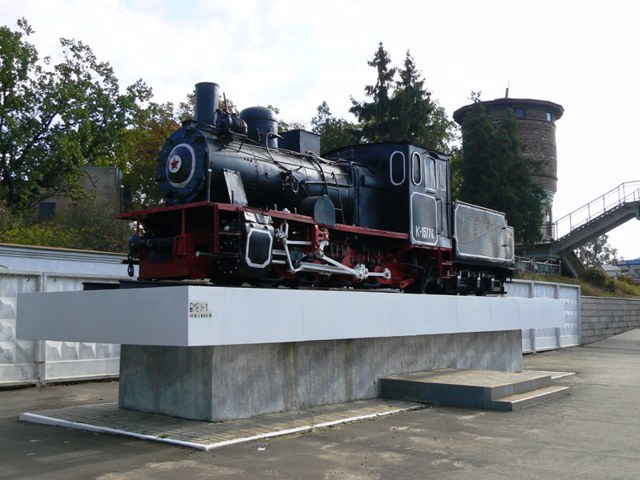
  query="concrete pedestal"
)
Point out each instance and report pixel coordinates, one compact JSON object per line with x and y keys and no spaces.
{"x":215,"y":383}
{"x":217,"y":353}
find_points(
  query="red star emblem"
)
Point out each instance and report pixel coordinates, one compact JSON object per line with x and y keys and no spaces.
{"x":174,"y":164}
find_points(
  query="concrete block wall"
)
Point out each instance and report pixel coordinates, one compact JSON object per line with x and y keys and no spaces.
{"x":603,"y":317}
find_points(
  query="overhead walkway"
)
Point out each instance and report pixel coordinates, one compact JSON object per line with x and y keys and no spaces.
{"x":588,"y":222}
{"x":597,"y":217}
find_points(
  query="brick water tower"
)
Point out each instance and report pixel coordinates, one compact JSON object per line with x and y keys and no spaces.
{"x":536,"y":127}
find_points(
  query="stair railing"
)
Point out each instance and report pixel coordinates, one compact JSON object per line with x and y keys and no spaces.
{"x":621,"y":195}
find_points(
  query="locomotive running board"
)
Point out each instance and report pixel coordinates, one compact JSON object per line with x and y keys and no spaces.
{"x":200,"y":316}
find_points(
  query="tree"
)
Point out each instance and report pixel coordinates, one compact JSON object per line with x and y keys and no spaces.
{"x":496,"y":174}
{"x":85,"y":225}
{"x":334,"y":132}
{"x":56,"y":118}
{"x":377,"y":116}
{"x":402,"y":109}
{"x":597,"y":253}
{"x":140,"y":154}
{"x":187,"y":108}
{"x":419,"y":119}
{"x":283,"y":125}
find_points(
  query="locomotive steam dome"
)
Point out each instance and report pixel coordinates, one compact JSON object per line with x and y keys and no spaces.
{"x":262,"y":125}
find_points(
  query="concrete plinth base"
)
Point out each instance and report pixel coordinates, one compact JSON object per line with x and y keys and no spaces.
{"x":215,"y":383}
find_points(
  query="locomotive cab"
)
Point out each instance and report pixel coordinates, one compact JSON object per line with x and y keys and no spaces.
{"x":402,"y":188}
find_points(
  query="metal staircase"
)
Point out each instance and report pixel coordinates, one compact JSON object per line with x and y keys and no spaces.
{"x":597,"y":217}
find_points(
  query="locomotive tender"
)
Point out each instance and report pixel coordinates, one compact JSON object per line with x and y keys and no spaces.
{"x":245,"y":204}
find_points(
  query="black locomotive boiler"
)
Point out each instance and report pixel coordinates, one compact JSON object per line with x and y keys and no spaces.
{"x":245,"y":204}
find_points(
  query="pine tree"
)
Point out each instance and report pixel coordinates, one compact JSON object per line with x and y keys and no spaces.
{"x":377,"y":116}
{"x":401,"y":109}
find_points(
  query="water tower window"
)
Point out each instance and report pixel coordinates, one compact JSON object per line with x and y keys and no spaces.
{"x":549,"y":117}
{"x":519,"y":113}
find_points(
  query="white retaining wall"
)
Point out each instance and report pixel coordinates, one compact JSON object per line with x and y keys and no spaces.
{"x":536,"y":340}
{"x":34,"y":269}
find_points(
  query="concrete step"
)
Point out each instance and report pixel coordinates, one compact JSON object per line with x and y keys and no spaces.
{"x":487,"y":389}
{"x":540,"y":395}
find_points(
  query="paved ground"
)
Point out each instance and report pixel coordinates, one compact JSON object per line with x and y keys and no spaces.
{"x":592,"y":434}
{"x":108,"y":418}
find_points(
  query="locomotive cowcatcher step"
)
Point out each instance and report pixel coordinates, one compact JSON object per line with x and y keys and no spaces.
{"x":485,"y":389}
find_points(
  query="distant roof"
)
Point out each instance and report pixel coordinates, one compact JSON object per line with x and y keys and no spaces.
{"x":611,"y":268}
{"x":557,"y":109}
{"x":635,"y":261}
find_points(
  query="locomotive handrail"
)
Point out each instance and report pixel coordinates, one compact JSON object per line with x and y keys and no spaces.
{"x":623,"y":194}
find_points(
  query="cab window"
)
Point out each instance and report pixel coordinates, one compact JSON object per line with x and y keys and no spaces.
{"x":396,"y":168}
{"x":416,"y":169}
{"x":431,"y":182}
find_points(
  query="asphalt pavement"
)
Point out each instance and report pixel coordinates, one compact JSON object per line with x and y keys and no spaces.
{"x":594,"y":433}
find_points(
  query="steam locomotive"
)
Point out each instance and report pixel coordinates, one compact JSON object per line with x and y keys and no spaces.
{"x":246,"y":204}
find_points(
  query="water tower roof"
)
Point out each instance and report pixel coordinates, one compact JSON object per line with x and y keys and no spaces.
{"x":512,"y":103}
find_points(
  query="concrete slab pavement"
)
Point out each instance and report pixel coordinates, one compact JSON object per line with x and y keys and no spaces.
{"x":592,"y":434}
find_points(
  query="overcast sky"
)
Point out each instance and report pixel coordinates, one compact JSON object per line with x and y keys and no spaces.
{"x":296,"y":54}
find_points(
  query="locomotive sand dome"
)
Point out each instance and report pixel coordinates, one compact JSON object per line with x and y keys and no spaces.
{"x":240,"y":208}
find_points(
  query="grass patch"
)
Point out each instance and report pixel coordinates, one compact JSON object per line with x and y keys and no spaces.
{"x":628,"y":286}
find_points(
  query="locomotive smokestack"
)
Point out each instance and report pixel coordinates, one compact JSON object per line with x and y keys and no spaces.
{"x":207,"y":94}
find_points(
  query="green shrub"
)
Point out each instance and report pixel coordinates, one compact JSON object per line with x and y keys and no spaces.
{"x":598,"y":278}
{"x":88,"y":225}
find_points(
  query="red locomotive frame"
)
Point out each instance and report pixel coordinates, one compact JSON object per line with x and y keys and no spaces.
{"x":207,"y":240}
